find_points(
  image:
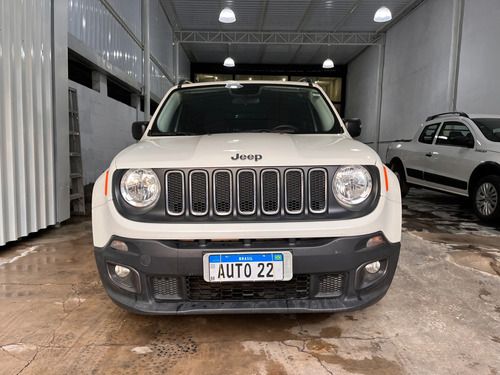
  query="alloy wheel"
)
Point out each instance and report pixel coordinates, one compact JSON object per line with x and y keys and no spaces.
{"x":486,"y":198}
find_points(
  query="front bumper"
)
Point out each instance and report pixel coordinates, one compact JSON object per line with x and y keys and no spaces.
{"x":328,"y":276}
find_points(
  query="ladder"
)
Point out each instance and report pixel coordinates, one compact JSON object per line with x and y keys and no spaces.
{"x":77,"y":196}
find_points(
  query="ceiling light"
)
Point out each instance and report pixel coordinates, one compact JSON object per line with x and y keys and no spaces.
{"x":233,"y":85}
{"x":229,"y":62}
{"x":383,"y":14}
{"x":328,"y":64}
{"x":227,"y":16}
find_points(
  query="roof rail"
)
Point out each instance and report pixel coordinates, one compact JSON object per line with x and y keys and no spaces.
{"x":463,"y":114}
{"x":307,"y":80}
{"x":183,"y":81}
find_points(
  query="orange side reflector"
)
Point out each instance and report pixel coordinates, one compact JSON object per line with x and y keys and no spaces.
{"x":106,"y":186}
{"x":386,"y":180}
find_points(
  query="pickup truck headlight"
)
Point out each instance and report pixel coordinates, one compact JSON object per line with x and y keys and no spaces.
{"x":140,"y":187}
{"x":352,"y":185}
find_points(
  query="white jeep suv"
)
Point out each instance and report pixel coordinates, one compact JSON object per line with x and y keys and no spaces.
{"x":246,"y":197}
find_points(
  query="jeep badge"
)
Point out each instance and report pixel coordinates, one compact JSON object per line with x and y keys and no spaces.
{"x":255,"y":157}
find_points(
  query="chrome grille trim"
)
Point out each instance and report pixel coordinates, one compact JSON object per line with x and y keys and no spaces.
{"x":198,"y":192}
{"x":223,"y":192}
{"x":294,"y":194}
{"x":246,"y":192}
{"x":270,"y":191}
{"x":174,"y":196}
{"x":317,"y":184}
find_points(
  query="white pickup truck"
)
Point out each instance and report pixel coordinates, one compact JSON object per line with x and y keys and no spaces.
{"x":246,"y":197}
{"x":454,"y":153}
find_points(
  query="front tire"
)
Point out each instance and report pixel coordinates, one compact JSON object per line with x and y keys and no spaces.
{"x":486,"y":198}
{"x":399,"y":171}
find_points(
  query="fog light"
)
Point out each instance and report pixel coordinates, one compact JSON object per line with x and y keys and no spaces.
{"x":124,"y":277}
{"x":369,"y":274}
{"x":122,"y":271}
{"x":373,"y":267}
{"x":119,"y":245}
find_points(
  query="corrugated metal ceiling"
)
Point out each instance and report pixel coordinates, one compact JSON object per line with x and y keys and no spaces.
{"x":298,"y":16}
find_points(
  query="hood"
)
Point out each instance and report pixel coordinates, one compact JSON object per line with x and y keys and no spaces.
{"x":245,"y":150}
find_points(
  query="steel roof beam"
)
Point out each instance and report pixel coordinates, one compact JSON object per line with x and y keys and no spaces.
{"x":283,"y":38}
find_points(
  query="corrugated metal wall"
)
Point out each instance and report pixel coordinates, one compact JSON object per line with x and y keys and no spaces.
{"x":162,"y":48}
{"x":112,"y":30}
{"x":91,"y":22}
{"x":130,"y":12}
{"x":28,"y":196}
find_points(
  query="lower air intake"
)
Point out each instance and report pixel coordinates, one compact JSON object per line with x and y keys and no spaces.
{"x":165,"y":287}
{"x":199,"y":290}
{"x":331,"y":285}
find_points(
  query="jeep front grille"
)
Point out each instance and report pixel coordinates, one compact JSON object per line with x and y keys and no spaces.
{"x":246,"y":192}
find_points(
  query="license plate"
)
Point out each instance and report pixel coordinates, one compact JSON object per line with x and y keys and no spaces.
{"x":259,"y":266}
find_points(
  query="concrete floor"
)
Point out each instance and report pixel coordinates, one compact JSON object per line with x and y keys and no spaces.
{"x":441,"y":315}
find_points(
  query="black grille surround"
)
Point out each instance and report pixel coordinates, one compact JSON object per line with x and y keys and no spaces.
{"x":246,"y":194}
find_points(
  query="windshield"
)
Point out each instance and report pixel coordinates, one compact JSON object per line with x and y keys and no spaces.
{"x":249,"y":108}
{"x":490,"y":127}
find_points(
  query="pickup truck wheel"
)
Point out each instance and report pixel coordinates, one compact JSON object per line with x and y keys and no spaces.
{"x":486,"y":198}
{"x":400,"y":174}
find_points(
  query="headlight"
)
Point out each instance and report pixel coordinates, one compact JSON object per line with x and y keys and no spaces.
{"x":140,"y":187}
{"x":352,"y":185}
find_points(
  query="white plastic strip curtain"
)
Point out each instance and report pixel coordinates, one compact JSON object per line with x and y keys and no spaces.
{"x":27,"y":188}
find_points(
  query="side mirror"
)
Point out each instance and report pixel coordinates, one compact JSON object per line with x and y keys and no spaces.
{"x":138,"y":129}
{"x":353,"y":126}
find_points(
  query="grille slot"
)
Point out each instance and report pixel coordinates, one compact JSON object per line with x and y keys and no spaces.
{"x":223,"y":196}
{"x":317,"y":191}
{"x":198,"y":191}
{"x":294,"y":191}
{"x":199,"y":290}
{"x":270,"y":186}
{"x":165,"y":287}
{"x":175,"y":193}
{"x":246,"y":192}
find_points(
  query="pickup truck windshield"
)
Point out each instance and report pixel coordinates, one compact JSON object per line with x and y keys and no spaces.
{"x":249,"y":108}
{"x":490,"y":127}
